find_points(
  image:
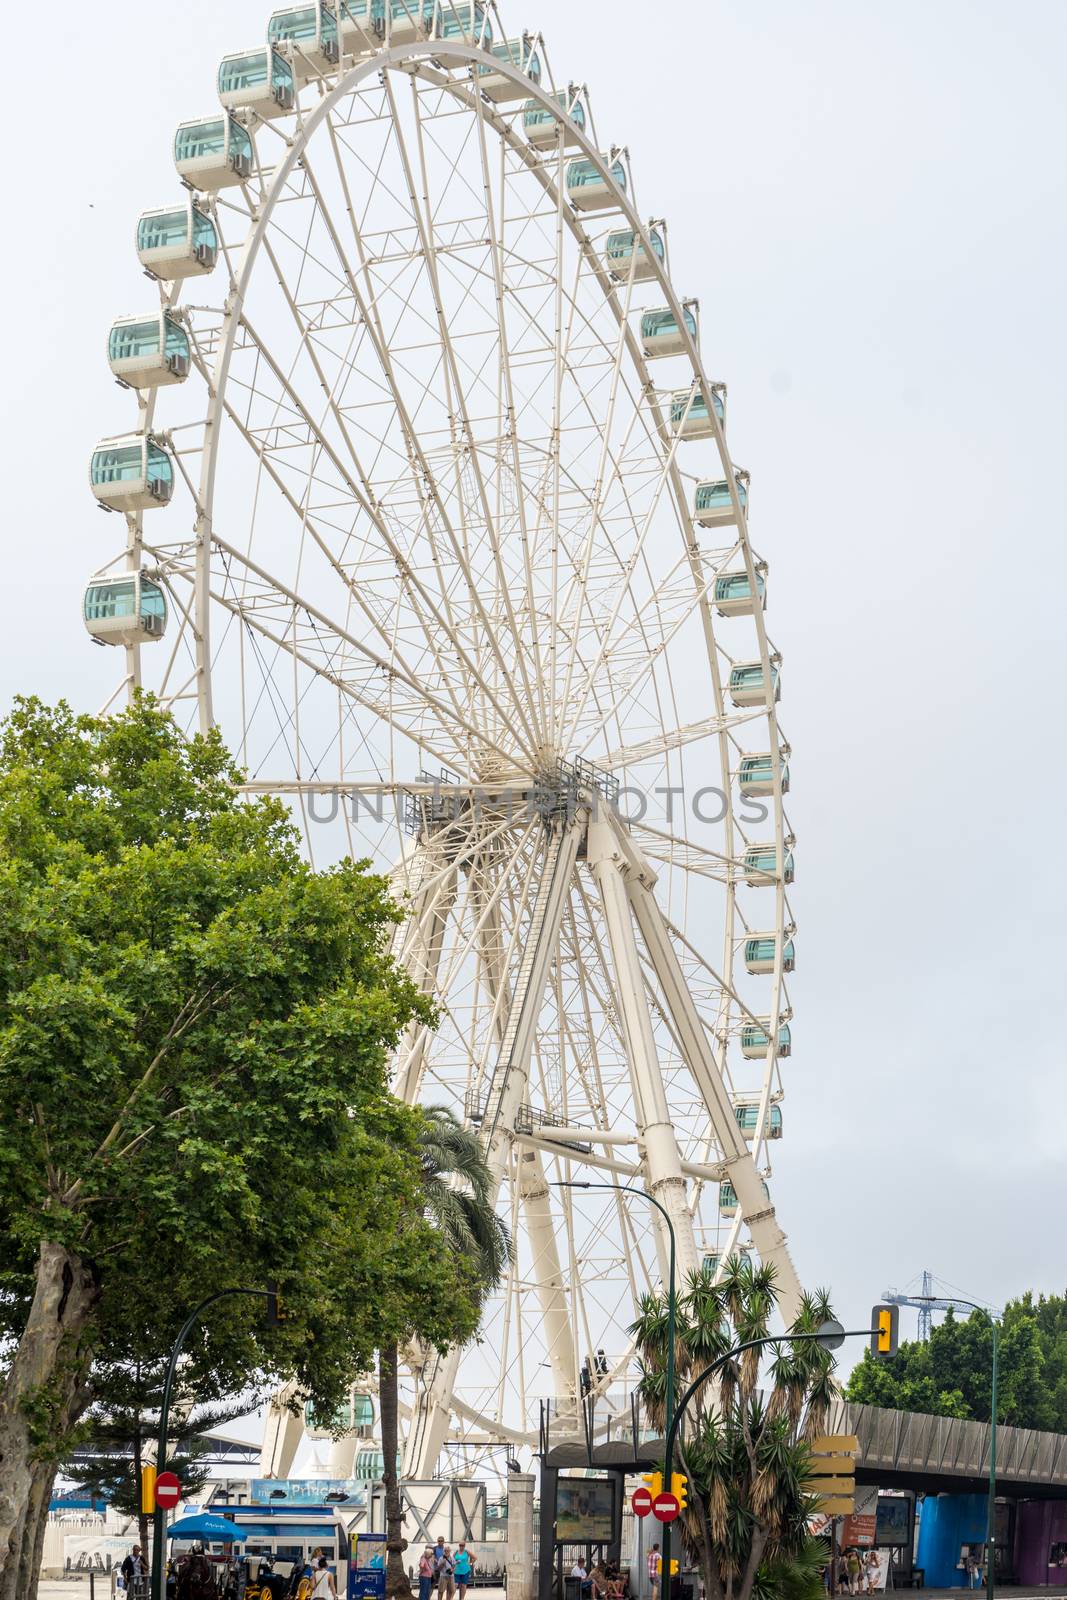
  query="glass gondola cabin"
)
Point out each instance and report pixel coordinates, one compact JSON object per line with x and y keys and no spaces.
{"x":214,"y":154}
{"x":626,"y":254}
{"x":404,"y":20}
{"x":519,"y":53}
{"x":756,"y":1040}
{"x":308,"y":38}
{"x":755,"y":776}
{"x":761,"y":950}
{"x":713,"y":504}
{"x":747,"y":1116}
{"x":727,"y":1199}
{"x":587,"y":190}
{"x":733,"y":594}
{"x":462,"y":19}
{"x":661,"y":335}
{"x":690,"y":415}
{"x":257,"y":80}
{"x":543,"y":128}
{"x":747,"y":685}
{"x":761,"y":866}
{"x":361,"y":25}
{"x":126,"y":609}
{"x":178,"y":242}
{"x":133,"y":474}
{"x":149,"y":352}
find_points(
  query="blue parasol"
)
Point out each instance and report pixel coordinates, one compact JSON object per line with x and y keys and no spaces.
{"x":208,"y":1526}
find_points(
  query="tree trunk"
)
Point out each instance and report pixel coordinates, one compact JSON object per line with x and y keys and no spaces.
{"x":40,"y":1390}
{"x":29,"y":1566}
{"x":712,"y":1584}
{"x":138,"y":1467}
{"x":397,"y":1585}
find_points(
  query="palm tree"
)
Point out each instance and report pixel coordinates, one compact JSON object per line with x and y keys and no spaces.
{"x":746,"y":1455}
{"x":458,"y":1198}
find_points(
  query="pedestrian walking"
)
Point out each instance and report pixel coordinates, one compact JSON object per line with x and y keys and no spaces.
{"x":655,"y":1570}
{"x":446,"y":1575}
{"x":463,"y":1567}
{"x":426,"y":1573}
{"x":325,"y":1582}
{"x":853,"y":1569}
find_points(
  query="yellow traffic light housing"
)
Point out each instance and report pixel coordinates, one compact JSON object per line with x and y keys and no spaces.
{"x":653,"y":1482}
{"x":674,"y":1566}
{"x":680,"y":1489}
{"x":884,"y":1320}
{"x":148,"y":1490}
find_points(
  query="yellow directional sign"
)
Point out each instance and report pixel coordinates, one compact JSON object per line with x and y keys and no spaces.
{"x":833,"y":1469}
{"x":835,"y":1444}
{"x":842,"y":1506}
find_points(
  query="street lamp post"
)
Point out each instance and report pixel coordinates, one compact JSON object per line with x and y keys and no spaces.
{"x":991,"y":1502}
{"x":672,"y":1317}
{"x":158,"y":1523}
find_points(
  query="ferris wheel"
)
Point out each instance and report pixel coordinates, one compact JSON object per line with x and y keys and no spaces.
{"x":428,"y":504}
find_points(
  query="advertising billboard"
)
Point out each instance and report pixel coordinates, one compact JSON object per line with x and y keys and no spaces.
{"x":893,"y":1520}
{"x":585,"y":1510}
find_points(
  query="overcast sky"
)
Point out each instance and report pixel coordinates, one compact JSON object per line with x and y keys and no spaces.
{"x":869,"y":202}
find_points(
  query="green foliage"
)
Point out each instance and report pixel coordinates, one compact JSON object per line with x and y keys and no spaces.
{"x":195,"y":1028}
{"x":744,"y":1448}
{"x":950,"y":1376}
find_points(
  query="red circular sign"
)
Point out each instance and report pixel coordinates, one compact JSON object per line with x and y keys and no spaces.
{"x":641,"y":1501}
{"x":168,"y":1490}
{"x":665,"y":1506}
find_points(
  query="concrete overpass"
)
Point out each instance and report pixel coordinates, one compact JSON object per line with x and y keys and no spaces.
{"x":940,"y":1455}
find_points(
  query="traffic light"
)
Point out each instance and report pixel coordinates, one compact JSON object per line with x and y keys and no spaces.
{"x":653,"y":1482}
{"x":275,"y":1314}
{"x":884,"y":1320}
{"x":674,"y":1568}
{"x":680,"y":1488}
{"x":148,"y":1490}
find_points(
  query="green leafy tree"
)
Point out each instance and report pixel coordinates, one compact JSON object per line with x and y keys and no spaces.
{"x":457,"y":1190}
{"x":120,"y":1429}
{"x":950,"y":1374}
{"x":744,"y":1448}
{"x":194,"y":1034}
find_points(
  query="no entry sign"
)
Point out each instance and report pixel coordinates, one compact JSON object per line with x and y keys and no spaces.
{"x":168,"y":1490}
{"x":641,"y":1501}
{"x":665,"y":1506}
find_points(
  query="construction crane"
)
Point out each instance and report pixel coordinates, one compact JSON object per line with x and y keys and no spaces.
{"x":926,"y":1304}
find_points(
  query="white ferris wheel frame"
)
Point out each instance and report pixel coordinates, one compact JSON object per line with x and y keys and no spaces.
{"x":621,"y":860}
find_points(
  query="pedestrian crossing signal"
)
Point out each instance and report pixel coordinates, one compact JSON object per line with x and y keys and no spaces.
{"x":884,"y":1321}
{"x":653,"y":1482}
{"x":680,"y":1489}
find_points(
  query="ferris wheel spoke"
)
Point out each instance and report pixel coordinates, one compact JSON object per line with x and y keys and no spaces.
{"x":423,"y":213}
{"x":426,"y":478}
{"x":323,"y":646}
{"x":437,"y":632}
{"x":507,"y":423}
